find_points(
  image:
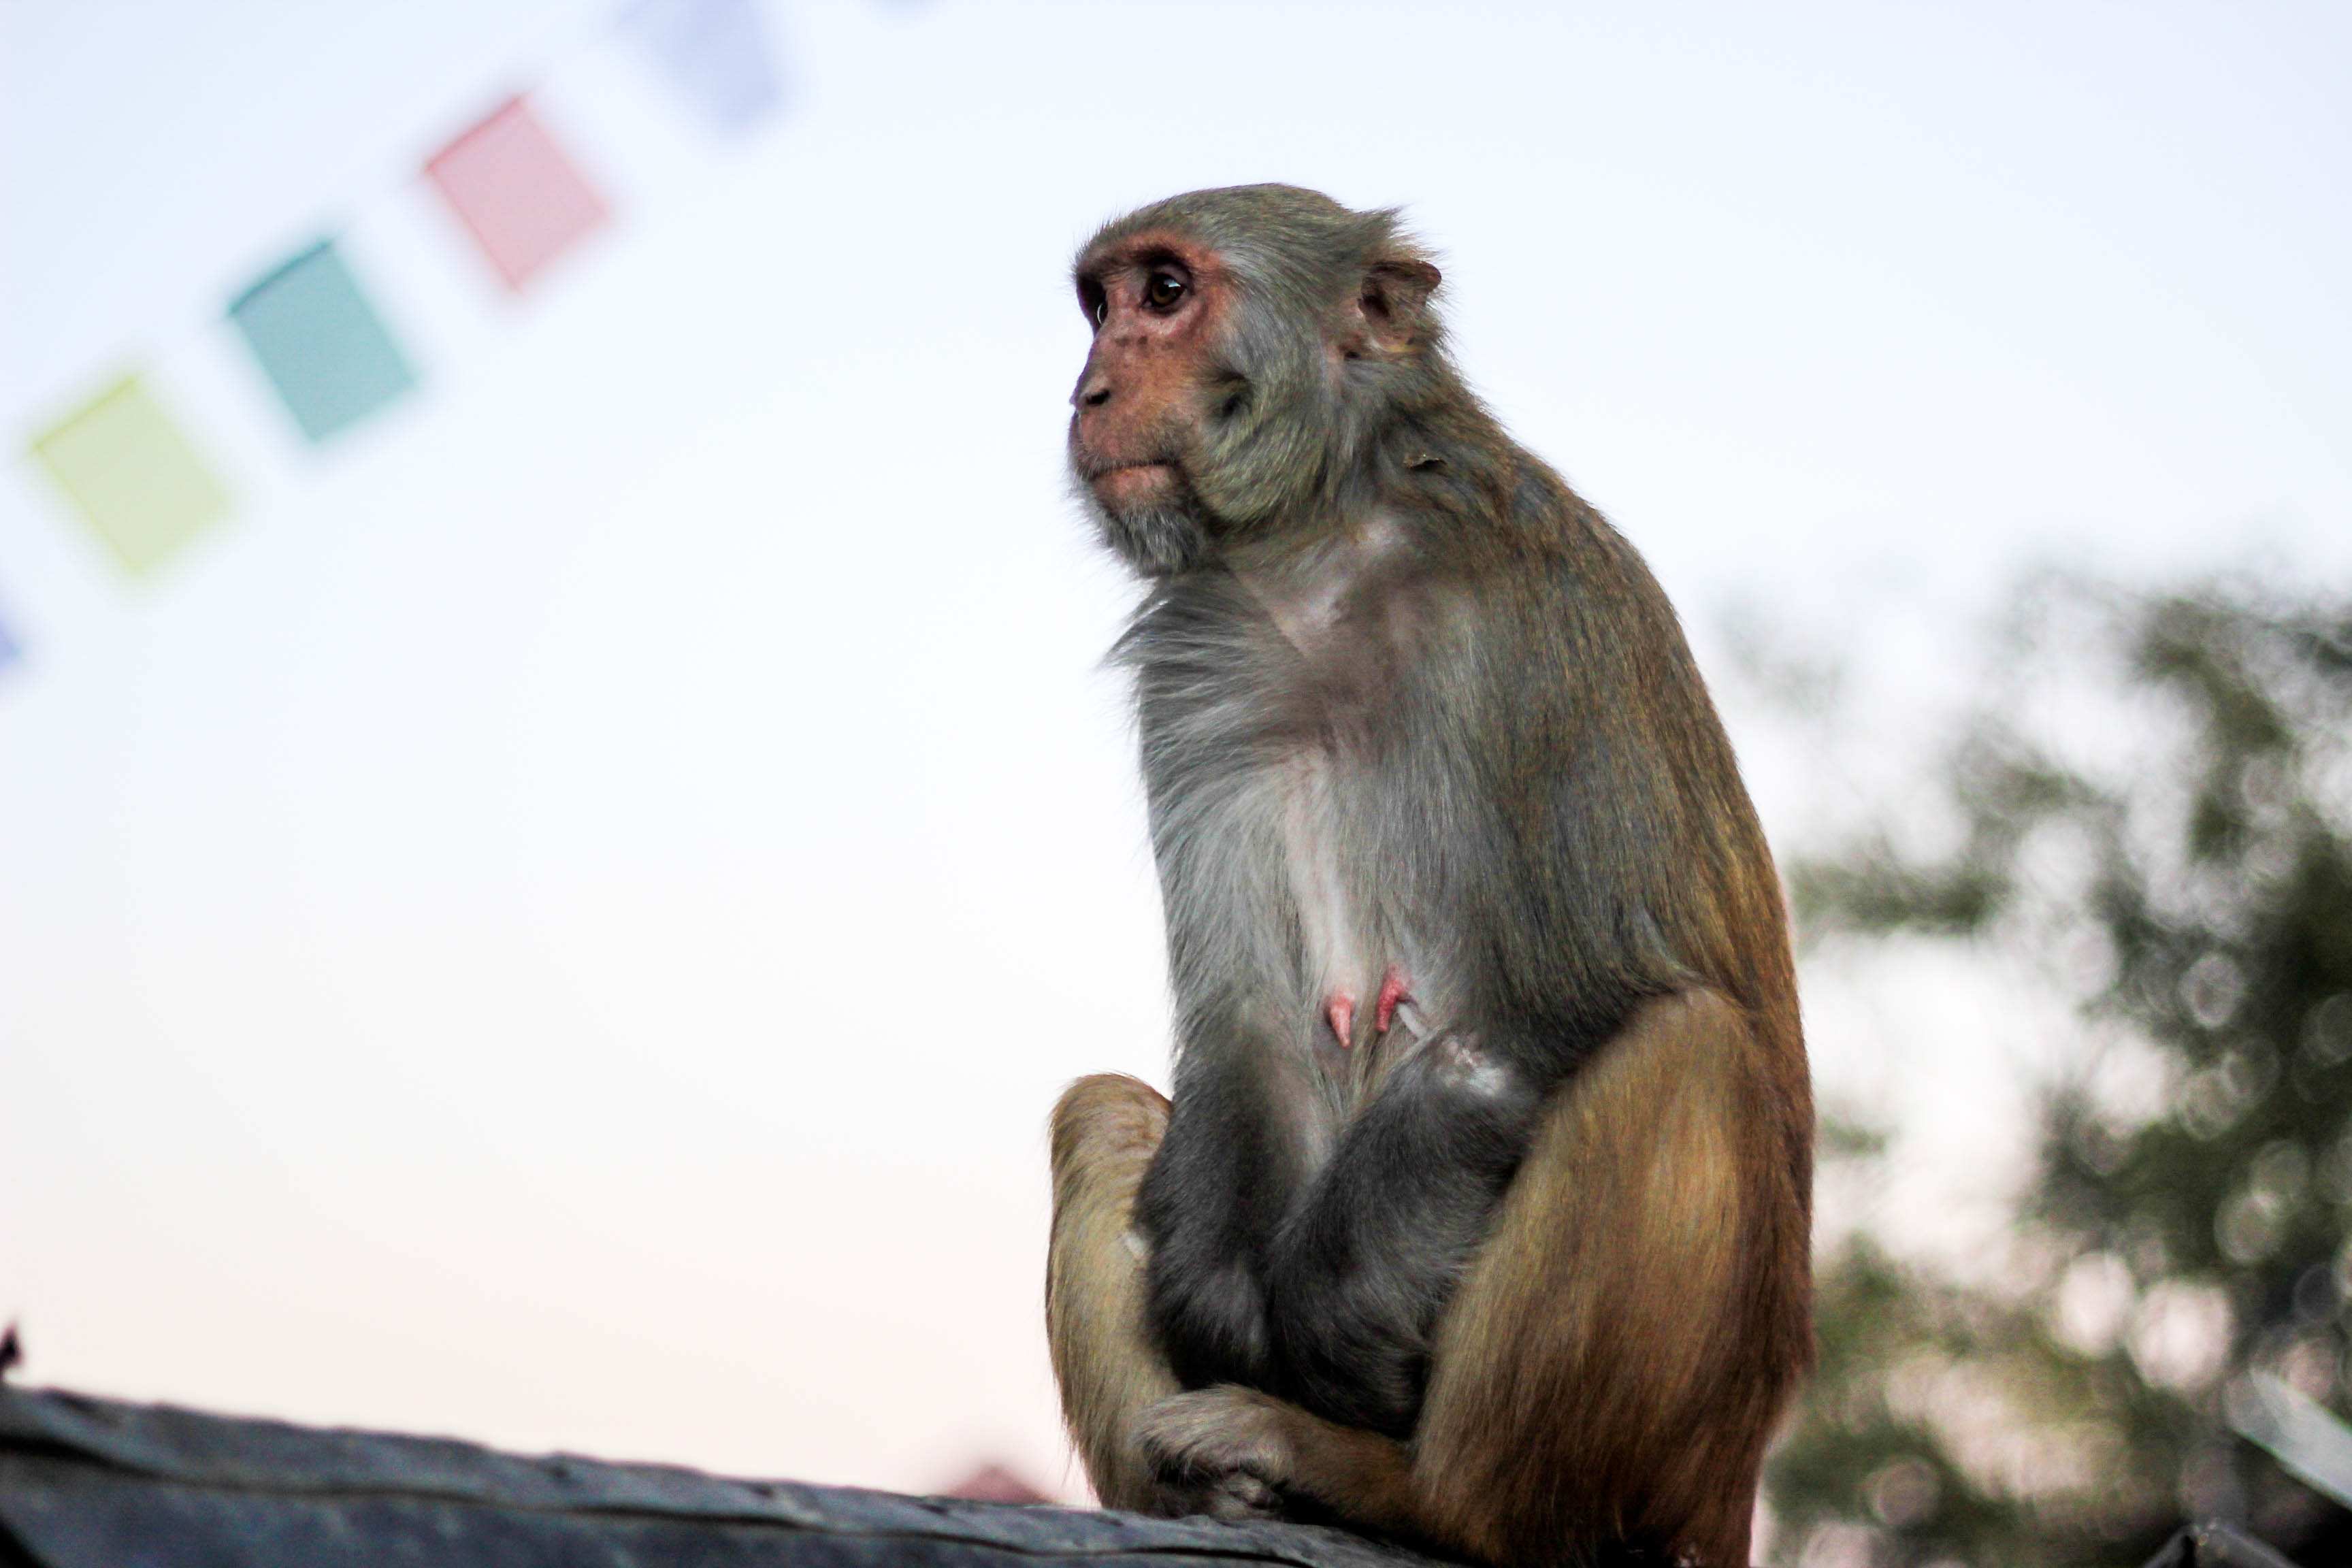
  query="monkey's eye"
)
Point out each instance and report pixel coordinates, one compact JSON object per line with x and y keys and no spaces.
{"x":1102,"y":309}
{"x":1163,"y":290}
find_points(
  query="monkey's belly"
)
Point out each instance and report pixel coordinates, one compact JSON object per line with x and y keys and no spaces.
{"x":1359,"y":978}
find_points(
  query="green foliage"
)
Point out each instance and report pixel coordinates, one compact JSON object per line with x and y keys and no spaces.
{"x":2159,"y":813}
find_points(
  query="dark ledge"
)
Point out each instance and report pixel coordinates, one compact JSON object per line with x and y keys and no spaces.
{"x":90,"y":1482}
{"x":94,"y":1483}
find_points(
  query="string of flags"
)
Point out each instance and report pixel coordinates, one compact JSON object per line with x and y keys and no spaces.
{"x":133,"y":473}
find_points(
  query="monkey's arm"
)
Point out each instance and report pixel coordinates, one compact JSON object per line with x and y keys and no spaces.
{"x":1225,"y":1173}
{"x":1363,"y":1269}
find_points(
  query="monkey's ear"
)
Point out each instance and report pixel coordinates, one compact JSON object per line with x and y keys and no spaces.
{"x":1391,"y":301}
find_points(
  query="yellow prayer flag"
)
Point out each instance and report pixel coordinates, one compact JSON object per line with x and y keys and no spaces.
{"x":133,"y":474}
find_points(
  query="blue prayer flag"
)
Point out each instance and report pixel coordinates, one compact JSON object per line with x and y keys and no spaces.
{"x":320,"y":343}
{"x":714,"y":52}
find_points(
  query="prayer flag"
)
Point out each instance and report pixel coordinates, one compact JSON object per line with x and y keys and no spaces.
{"x":9,"y":652}
{"x":716,"y":53}
{"x":320,"y":343}
{"x":510,"y":184}
{"x":131,"y":474}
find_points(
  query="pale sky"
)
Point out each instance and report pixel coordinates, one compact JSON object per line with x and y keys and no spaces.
{"x":561,"y":921}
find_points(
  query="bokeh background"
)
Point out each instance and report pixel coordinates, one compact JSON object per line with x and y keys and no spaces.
{"x":560,"y":917}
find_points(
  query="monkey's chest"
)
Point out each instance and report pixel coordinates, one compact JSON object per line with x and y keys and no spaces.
{"x":1291,"y":835}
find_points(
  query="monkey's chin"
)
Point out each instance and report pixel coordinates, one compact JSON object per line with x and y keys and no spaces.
{"x":1157,"y":541}
{"x":1159,"y":533}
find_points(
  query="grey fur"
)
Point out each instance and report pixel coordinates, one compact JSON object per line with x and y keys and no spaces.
{"x":1404,"y":701}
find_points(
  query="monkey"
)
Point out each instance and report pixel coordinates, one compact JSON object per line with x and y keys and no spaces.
{"x":1478,"y":1219}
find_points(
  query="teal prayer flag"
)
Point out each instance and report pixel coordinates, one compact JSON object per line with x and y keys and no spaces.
{"x":320,"y":343}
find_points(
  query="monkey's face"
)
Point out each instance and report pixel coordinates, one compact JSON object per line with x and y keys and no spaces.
{"x":1157,"y":303}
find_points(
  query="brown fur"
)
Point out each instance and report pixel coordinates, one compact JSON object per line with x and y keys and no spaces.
{"x":1524,"y":1280}
{"x":1105,"y":1131}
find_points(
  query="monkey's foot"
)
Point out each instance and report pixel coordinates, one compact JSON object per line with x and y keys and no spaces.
{"x":1223,"y":1451}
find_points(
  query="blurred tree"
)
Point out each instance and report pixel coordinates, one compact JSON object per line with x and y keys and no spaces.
{"x":2156,"y":813}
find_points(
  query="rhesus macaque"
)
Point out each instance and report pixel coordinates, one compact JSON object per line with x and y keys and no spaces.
{"x":1479,"y":1217}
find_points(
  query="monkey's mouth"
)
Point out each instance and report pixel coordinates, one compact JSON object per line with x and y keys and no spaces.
{"x":1124,"y":483}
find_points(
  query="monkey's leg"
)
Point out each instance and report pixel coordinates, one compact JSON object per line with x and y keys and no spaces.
{"x":1610,"y":1364}
{"x":1105,"y":1131}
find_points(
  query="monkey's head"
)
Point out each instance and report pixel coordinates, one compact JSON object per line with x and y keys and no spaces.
{"x":1251,"y":347}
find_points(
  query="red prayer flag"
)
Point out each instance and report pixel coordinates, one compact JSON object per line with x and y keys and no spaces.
{"x":513,"y":187}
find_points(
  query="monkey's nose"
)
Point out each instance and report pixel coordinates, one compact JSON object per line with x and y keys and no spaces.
{"x":1093,"y":392}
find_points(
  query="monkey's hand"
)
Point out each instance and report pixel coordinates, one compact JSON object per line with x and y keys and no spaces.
{"x":1225,"y":1451}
